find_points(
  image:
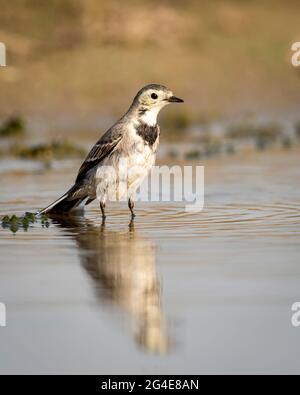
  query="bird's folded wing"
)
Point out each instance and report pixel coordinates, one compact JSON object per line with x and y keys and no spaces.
{"x":101,"y":150}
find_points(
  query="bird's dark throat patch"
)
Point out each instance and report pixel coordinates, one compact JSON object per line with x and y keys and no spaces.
{"x":148,"y":133}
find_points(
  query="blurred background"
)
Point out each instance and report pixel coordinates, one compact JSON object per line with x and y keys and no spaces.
{"x":73,"y":67}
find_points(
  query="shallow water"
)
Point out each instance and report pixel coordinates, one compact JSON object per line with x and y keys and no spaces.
{"x":172,"y":293}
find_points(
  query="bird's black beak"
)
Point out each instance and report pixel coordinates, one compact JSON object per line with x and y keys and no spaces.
{"x":174,"y":99}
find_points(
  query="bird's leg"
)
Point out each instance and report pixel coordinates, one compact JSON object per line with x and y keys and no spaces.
{"x":131,"y":207}
{"x":102,"y":206}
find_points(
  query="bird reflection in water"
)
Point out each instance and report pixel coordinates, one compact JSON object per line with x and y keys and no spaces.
{"x":123,"y":268}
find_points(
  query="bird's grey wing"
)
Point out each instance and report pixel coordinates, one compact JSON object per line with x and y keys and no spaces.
{"x":101,"y":150}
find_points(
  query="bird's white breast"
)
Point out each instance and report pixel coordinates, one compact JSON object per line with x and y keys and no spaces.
{"x":124,"y":171}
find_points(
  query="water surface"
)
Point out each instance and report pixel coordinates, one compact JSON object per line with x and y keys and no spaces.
{"x":172,"y":292}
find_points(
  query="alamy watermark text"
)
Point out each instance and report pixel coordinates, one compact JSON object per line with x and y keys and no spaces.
{"x":2,"y":54}
{"x":296,"y":315}
{"x":2,"y":314}
{"x":296,"y":54}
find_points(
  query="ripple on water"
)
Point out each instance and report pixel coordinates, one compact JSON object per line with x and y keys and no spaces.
{"x":242,"y":219}
{"x":171,"y":220}
{"x":231,"y":220}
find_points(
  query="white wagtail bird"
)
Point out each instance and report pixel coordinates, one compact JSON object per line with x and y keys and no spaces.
{"x":132,"y":143}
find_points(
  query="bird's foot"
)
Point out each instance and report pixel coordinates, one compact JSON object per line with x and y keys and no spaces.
{"x":102,"y":207}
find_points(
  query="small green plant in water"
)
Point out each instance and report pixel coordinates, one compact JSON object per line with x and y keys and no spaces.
{"x":15,"y":223}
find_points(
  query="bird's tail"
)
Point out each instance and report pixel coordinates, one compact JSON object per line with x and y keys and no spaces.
{"x":69,"y":201}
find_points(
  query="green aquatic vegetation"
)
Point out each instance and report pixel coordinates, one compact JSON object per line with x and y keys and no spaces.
{"x":50,"y":151}
{"x":12,"y":127}
{"x":212,"y":149}
{"x":15,"y":223}
{"x":209,"y":146}
{"x":287,"y":142}
{"x":262,"y":143}
{"x":230,"y":149}
{"x":249,"y":129}
{"x":193,"y":155}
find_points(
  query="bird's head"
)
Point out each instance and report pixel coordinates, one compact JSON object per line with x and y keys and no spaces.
{"x":151,"y":99}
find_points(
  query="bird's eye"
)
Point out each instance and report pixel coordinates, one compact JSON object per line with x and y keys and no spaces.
{"x":154,"y":96}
